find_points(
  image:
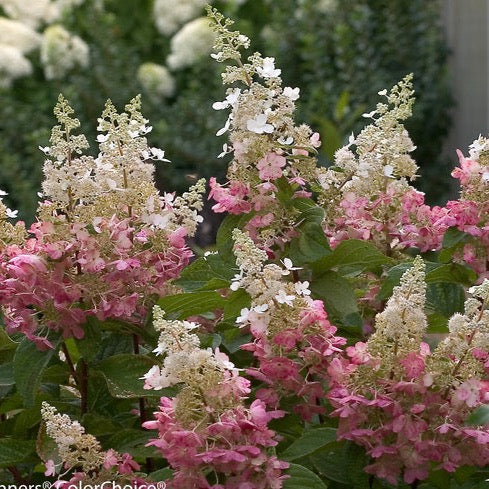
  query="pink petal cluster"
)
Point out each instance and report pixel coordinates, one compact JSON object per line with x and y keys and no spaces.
{"x":405,"y":423}
{"x":295,"y":361}
{"x":403,"y":220}
{"x":234,"y":446}
{"x":109,"y":270}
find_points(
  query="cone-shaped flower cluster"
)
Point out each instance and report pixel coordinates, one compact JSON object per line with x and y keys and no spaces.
{"x":81,"y":458}
{"x":105,"y":244}
{"x":293,"y":340}
{"x":268,"y":149}
{"x":406,"y":405}
{"x":207,"y":434}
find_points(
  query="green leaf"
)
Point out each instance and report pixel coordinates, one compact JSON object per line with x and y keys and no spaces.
{"x":342,"y":462}
{"x":445,"y":298}
{"x":311,"y":245}
{"x":123,"y":328}
{"x":453,"y":237}
{"x":181,"y":306}
{"x":6,"y":375}
{"x":302,"y":478}
{"x":133,"y":442}
{"x":46,"y":447}
{"x":209,"y":272}
{"x":6,"y":343}
{"x":29,"y":364}
{"x":233,"y":338}
{"x":480,"y":416}
{"x":309,"y":442}
{"x":98,"y":425}
{"x":224,"y":238}
{"x":435,"y":273}
{"x":89,"y":344}
{"x":123,"y":375}
{"x":14,"y":451}
{"x":355,"y":254}
{"x":26,"y":419}
{"x":450,"y":272}
{"x":161,"y":475}
{"x":337,"y":294}
{"x":236,"y":301}
{"x":331,"y":137}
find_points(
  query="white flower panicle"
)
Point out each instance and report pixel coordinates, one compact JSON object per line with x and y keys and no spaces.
{"x":455,"y":359}
{"x":190,"y":44}
{"x":61,"y":52}
{"x":76,"y":448}
{"x":156,"y":80}
{"x":382,"y":149}
{"x":175,"y":336}
{"x":265,"y":142}
{"x":404,"y":316}
{"x":185,"y":362}
{"x":249,"y":257}
{"x":275,"y":303}
{"x":119,"y":181}
{"x":68,"y":174}
{"x":169,"y":15}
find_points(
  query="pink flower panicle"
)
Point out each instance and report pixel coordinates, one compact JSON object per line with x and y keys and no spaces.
{"x":108,"y":255}
{"x":408,"y":406}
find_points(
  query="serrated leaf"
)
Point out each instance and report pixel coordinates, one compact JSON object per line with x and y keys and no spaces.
{"x":182,"y":306}
{"x":342,"y":462}
{"x":123,"y":375}
{"x":14,"y":451}
{"x":46,"y":447}
{"x":123,"y":328}
{"x":435,"y":273}
{"x":302,"y":478}
{"x":98,"y":425}
{"x":236,"y":301}
{"x":355,"y":254}
{"x":29,"y":364}
{"x":309,"y":442}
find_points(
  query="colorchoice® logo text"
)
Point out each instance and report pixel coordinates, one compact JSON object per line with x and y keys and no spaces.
{"x":81,"y":485}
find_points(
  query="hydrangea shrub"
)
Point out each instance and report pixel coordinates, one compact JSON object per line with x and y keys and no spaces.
{"x":336,"y":336}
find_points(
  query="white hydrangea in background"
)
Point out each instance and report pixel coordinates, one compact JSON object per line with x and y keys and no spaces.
{"x":13,"y":65}
{"x":170,"y":14}
{"x":156,"y":80}
{"x":62,"y":51}
{"x":193,"y":42}
{"x":36,"y":13}
{"x":18,"y":35}
{"x":16,"y":39}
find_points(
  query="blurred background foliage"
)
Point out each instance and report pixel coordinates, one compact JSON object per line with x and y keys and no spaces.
{"x":340,"y":53}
